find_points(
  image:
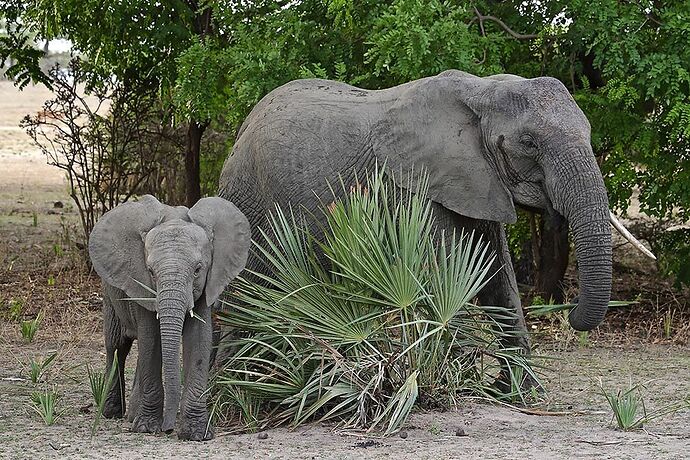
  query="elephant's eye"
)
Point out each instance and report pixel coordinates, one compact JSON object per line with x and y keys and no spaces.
{"x":197,"y":270}
{"x":528,"y":142}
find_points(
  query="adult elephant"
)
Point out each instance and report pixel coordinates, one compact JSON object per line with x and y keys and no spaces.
{"x":489,"y":144}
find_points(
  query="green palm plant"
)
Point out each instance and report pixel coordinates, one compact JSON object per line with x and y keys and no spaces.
{"x":627,"y":404}
{"x":37,"y":368}
{"x":44,"y":404}
{"x":101,"y":383}
{"x":29,"y":327}
{"x":390,"y":325}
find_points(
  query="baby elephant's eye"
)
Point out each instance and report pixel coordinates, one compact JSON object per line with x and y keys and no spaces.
{"x":528,"y":142}
{"x":197,"y":270}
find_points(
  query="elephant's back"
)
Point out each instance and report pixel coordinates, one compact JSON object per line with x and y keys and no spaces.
{"x":298,"y":138}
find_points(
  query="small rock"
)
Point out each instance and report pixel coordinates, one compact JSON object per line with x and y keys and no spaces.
{"x":460,"y":432}
{"x":86,"y":409}
{"x":263,"y":435}
{"x":403,"y":434}
{"x":58,"y":205}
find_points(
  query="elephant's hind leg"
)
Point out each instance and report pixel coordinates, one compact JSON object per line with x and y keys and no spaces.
{"x":115,"y":342}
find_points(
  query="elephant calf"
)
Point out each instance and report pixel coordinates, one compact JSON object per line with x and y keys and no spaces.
{"x":187,"y":256}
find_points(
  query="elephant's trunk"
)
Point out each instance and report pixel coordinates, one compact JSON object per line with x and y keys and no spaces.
{"x":172,"y":307}
{"x":579,"y":194}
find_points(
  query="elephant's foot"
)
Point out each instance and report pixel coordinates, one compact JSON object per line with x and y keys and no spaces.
{"x":132,"y":408}
{"x":146,"y":424}
{"x":112,"y":409}
{"x":196,"y":429}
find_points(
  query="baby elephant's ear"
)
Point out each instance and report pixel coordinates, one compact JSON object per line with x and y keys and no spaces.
{"x":116,"y":245}
{"x":228,"y":230}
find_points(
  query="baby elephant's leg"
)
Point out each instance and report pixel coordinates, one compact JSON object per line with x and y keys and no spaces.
{"x":115,"y":342}
{"x":149,"y":382}
{"x":196,"y":340}
{"x":134,"y":400}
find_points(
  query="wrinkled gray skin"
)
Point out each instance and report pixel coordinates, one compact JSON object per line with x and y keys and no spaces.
{"x":489,"y":144}
{"x":187,"y":256}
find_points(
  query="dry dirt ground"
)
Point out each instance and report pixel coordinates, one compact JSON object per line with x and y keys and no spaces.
{"x":41,"y":271}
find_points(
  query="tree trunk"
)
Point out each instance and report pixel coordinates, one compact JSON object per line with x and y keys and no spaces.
{"x":203,"y":27}
{"x":192,"y":168}
{"x":550,"y":252}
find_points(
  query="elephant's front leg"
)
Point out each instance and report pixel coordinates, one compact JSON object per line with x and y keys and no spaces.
{"x":149,"y":383}
{"x":196,"y":343}
{"x":502,"y":289}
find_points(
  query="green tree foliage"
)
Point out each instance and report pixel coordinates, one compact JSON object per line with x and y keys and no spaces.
{"x":626,"y":62}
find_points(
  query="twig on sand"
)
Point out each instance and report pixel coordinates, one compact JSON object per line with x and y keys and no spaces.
{"x":611,"y":443}
{"x":527,"y":411}
{"x":60,"y":447}
{"x":539,"y":412}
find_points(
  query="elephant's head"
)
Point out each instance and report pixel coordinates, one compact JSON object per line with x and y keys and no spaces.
{"x":491,"y":143}
{"x":187,"y":256}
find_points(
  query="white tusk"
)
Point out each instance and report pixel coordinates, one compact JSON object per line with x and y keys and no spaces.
{"x":156,"y":315}
{"x":628,"y":236}
{"x":191,"y":313}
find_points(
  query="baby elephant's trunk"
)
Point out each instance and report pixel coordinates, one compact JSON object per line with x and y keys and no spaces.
{"x":172,"y":311}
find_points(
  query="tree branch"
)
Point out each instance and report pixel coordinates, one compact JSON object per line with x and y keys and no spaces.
{"x":504,"y":26}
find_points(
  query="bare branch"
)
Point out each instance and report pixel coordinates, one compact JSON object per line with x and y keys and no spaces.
{"x":504,"y":26}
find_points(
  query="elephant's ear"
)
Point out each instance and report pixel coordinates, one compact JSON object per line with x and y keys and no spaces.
{"x":116,"y":245}
{"x":435,"y":125}
{"x":228,"y":230}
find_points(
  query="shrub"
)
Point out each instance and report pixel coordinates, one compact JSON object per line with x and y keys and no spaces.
{"x":113,"y":142}
{"x":390,"y":326}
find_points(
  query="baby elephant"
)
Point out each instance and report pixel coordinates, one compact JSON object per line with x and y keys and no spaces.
{"x":187,"y":256}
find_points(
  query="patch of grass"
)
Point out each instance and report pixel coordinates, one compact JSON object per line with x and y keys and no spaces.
{"x":389,"y":327}
{"x":34,"y":219}
{"x":15,"y":308}
{"x":627,"y":404}
{"x":101,"y":383}
{"x":37,"y":368}
{"x":669,"y":323}
{"x":44,"y":404}
{"x":30,"y":327}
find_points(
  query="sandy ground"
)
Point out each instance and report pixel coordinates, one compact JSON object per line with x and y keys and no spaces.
{"x":30,"y":228}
